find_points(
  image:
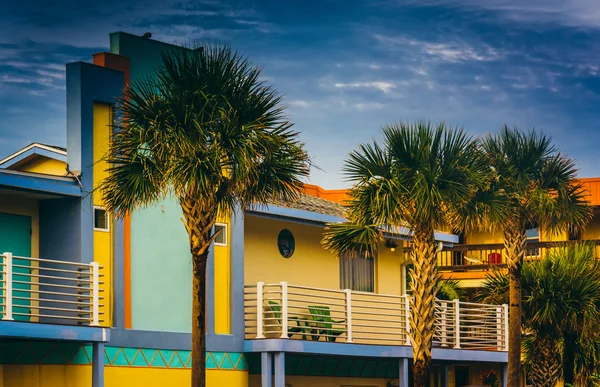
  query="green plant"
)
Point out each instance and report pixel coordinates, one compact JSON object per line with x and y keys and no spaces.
{"x":489,"y":378}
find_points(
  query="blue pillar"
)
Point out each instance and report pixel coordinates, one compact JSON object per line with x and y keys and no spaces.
{"x":445,"y":375}
{"x":210,"y":291}
{"x":266,"y":369}
{"x":504,"y":375}
{"x":279,"y":369}
{"x":403,"y":375}
{"x":97,"y":365}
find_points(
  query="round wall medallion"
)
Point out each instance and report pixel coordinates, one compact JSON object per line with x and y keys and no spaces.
{"x":286,"y":243}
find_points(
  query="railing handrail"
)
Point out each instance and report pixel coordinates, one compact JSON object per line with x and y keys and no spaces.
{"x":530,"y":245}
{"x":51,"y":261}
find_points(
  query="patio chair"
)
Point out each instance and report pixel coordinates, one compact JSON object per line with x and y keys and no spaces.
{"x":300,"y":326}
{"x":321,"y":315}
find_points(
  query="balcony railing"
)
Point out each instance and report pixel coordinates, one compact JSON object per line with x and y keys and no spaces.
{"x":485,"y":256}
{"x":49,"y":291}
{"x":305,"y":313}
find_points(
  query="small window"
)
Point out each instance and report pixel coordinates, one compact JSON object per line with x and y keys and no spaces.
{"x":221,"y":239}
{"x":533,"y":236}
{"x":101,"y":221}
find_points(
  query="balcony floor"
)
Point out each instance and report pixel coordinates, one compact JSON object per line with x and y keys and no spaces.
{"x":37,"y":331}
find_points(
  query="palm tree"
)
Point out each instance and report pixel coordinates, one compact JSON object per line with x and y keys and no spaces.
{"x":206,"y":130}
{"x":540,"y":189}
{"x":561,"y":309}
{"x":422,"y":176}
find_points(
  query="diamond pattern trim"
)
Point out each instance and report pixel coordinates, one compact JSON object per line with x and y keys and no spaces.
{"x":77,"y":354}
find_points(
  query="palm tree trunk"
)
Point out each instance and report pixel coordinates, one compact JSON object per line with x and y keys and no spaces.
{"x":199,"y":321}
{"x":546,"y":365}
{"x":424,"y":277}
{"x":514,"y":243}
{"x":569,"y":349}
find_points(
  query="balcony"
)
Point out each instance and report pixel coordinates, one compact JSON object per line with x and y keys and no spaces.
{"x":462,"y":258}
{"x":285,"y":311}
{"x":34,"y":290}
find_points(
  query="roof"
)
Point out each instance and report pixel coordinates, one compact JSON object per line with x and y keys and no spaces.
{"x":32,"y":150}
{"x":314,"y":204}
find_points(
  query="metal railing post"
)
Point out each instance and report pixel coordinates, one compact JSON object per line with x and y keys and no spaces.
{"x":407,"y":317}
{"x":284,"y":310}
{"x":444,"y":332}
{"x":95,"y":268}
{"x":259,"y":310}
{"x":505,"y":307}
{"x":348,"y":315}
{"x":8,"y":284}
{"x":457,"y":324}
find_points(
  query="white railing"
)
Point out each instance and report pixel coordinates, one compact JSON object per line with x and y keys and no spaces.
{"x":44,"y":290}
{"x":282,"y":310}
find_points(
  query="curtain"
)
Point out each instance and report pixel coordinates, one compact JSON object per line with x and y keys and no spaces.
{"x":357,"y":272}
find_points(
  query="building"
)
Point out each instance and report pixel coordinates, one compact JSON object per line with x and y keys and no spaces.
{"x":86,"y":299}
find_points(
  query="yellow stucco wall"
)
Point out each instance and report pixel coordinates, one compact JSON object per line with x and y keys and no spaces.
{"x":222,"y":282}
{"x":44,"y":165}
{"x":592,"y":231}
{"x":311,"y":265}
{"x":81,"y":376}
{"x":103,"y":241}
{"x":322,"y":381}
{"x":29,"y":207}
{"x":484,"y":237}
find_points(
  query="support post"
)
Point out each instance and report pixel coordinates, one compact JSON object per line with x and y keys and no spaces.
{"x":504,"y":375}
{"x":407,"y":318}
{"x":97,"y":365}
{"x":279,"y":369}
{"x":348,"y":315}
{"x":95,"y":268}
{"x":403,"y":372}
{"x":8,"y":285}
{"x":259,"y":310}
{"x":505,"y":307}
{"x":445,"y":375}
{"x":456,"y":324}
{"x":266,"y":369}
{"x":284,"y":310}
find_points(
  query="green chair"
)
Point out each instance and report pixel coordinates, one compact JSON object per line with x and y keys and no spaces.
{"x":321,"y":315}
{"x":292,"y":330}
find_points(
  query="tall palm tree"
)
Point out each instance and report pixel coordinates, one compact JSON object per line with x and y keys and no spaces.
{"x":540,"y":189}
{"x":205,"y":129}
{"x":422,"y":176}
{"x":561,"y":309}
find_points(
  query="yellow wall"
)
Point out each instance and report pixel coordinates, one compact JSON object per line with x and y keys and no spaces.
{"x":484,"y":237}
{"x":592,"y":231}
{"x":222,"y":283}
{"x":81,"y":376}
{"x":322,"y":381}
{"x":311,"y":265}
{"x":29,"y":207}
{"x":44,"y":165}
{"x":103,"y":250}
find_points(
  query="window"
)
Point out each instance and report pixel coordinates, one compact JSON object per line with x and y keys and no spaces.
{"x":533,"y":235}
{"x":221,"y":239}
{"x":357,"y":272}
{"x":101,"y":221}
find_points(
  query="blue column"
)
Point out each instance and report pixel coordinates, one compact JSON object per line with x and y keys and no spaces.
{"x":210,"y":291}
{"x":403,"y":375}
{"x":279,"y":369}
{"x":266,"y":369}
{"x":504,"y":375}
{"x":445,"y":375}
{"x":97,"y":365}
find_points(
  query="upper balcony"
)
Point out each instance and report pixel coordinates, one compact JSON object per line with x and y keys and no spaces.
{"x":34,"y":290}
{"x":286,"y":311}
{"x":482,"y":257}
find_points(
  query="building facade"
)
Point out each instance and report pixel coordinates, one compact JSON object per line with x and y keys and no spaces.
{"x":87,"y":299}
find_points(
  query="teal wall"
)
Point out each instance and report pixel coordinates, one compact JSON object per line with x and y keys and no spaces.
{"x":161,"y":270}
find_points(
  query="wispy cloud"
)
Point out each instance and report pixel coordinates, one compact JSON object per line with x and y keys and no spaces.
{"x":383,"y":86}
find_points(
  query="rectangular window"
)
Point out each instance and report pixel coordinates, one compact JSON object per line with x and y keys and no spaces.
{"x":533,"y":235}
{"x":357,"y":272}
{"x":101,"y":220}
{"x":221,"y":239}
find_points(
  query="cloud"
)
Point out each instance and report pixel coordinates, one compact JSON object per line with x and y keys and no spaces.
{"x":457,"y":51}
{"x":299,"y":103}
{"x":363,"y":106}
{"x":383,"y":86}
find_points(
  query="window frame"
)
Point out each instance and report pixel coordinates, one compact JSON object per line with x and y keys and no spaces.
{"x":534,"y":249}
{"x":224,"y":233}
{"x":373,"y":274}
{"x":107,"y":229}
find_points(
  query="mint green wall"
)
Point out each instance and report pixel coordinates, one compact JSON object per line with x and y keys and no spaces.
{"x":161,"y":270}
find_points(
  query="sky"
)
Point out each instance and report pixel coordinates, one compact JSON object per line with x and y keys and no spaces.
{"x":345,"y":67}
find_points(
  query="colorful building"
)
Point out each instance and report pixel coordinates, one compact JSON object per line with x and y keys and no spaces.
{"x":86,"y":299}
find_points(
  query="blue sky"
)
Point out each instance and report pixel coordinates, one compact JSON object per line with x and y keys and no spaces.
{"x":345,"y":67}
